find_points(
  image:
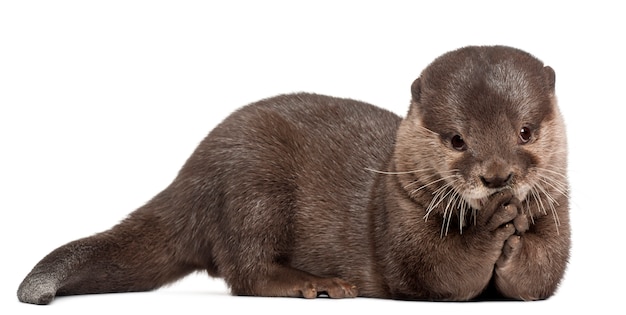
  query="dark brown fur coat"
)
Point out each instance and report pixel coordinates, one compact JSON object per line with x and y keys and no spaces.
{"x":303,"y":194}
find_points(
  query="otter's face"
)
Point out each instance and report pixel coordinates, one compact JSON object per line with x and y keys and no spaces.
{"x":490,"y":123}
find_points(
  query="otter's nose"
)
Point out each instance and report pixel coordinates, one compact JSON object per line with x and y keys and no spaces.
{"x":496,"y":181}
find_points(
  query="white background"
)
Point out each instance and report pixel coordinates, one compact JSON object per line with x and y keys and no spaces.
{"x":100,"y":104}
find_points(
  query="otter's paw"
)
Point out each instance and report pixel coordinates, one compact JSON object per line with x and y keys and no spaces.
{"x":501,"y":209}
{"x":333,"y":287}
{"x":37,"y":289}
{"x":510,"y":251}
{"x":521,"y":223}
{"x":513,"y":277}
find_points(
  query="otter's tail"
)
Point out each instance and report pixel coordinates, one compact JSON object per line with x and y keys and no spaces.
{"x":141,"y":253}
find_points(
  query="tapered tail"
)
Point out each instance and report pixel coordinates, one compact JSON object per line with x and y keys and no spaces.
{"x":139,"y":254}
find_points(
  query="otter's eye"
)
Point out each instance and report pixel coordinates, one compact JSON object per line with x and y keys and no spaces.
{"x":458,"y":143}
{"x":525,"y":134}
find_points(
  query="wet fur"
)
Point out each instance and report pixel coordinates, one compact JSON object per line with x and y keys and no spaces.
{"x":304,"y":194}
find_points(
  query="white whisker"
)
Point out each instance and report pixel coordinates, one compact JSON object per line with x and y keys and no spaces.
{"x":558,"y":186}
{"x":440,"y":194}
{"x":451,"y":202}
{"x":395,"y":173}
{"x":446,"y":222}
{"x":461,"y":208}
{"x":551,"y":202}
{"x":550,"y":199}
{"x":538,"y":201}
{"x":527,"y":209}
{"x":434,"y":182}
{"x":422,"y":128}
{"x":443,"y":194}
{"x":404,"y":172}
{"x":419,"y":181}
{"x":560,"y":174}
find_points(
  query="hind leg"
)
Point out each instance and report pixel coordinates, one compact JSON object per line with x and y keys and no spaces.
{"x":255,"y":249}
{"x":289,"y":282}
{"x":132,"y":256}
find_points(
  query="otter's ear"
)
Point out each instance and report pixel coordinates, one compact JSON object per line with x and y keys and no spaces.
{"x":416,"y":90}
{"x":550,"y":76}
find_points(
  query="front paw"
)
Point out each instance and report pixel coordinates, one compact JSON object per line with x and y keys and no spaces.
{"x":501,"y":209}
{"x":514,"y":278}
{"x":510,"y":251}
{"x":521,"y":223}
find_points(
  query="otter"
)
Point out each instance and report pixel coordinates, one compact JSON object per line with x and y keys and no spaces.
{"x":304,"y":195}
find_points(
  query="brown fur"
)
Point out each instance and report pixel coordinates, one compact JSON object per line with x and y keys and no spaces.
{"x":304,"y":194}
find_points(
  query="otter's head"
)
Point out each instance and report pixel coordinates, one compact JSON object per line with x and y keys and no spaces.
{"x":483,"y":119}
